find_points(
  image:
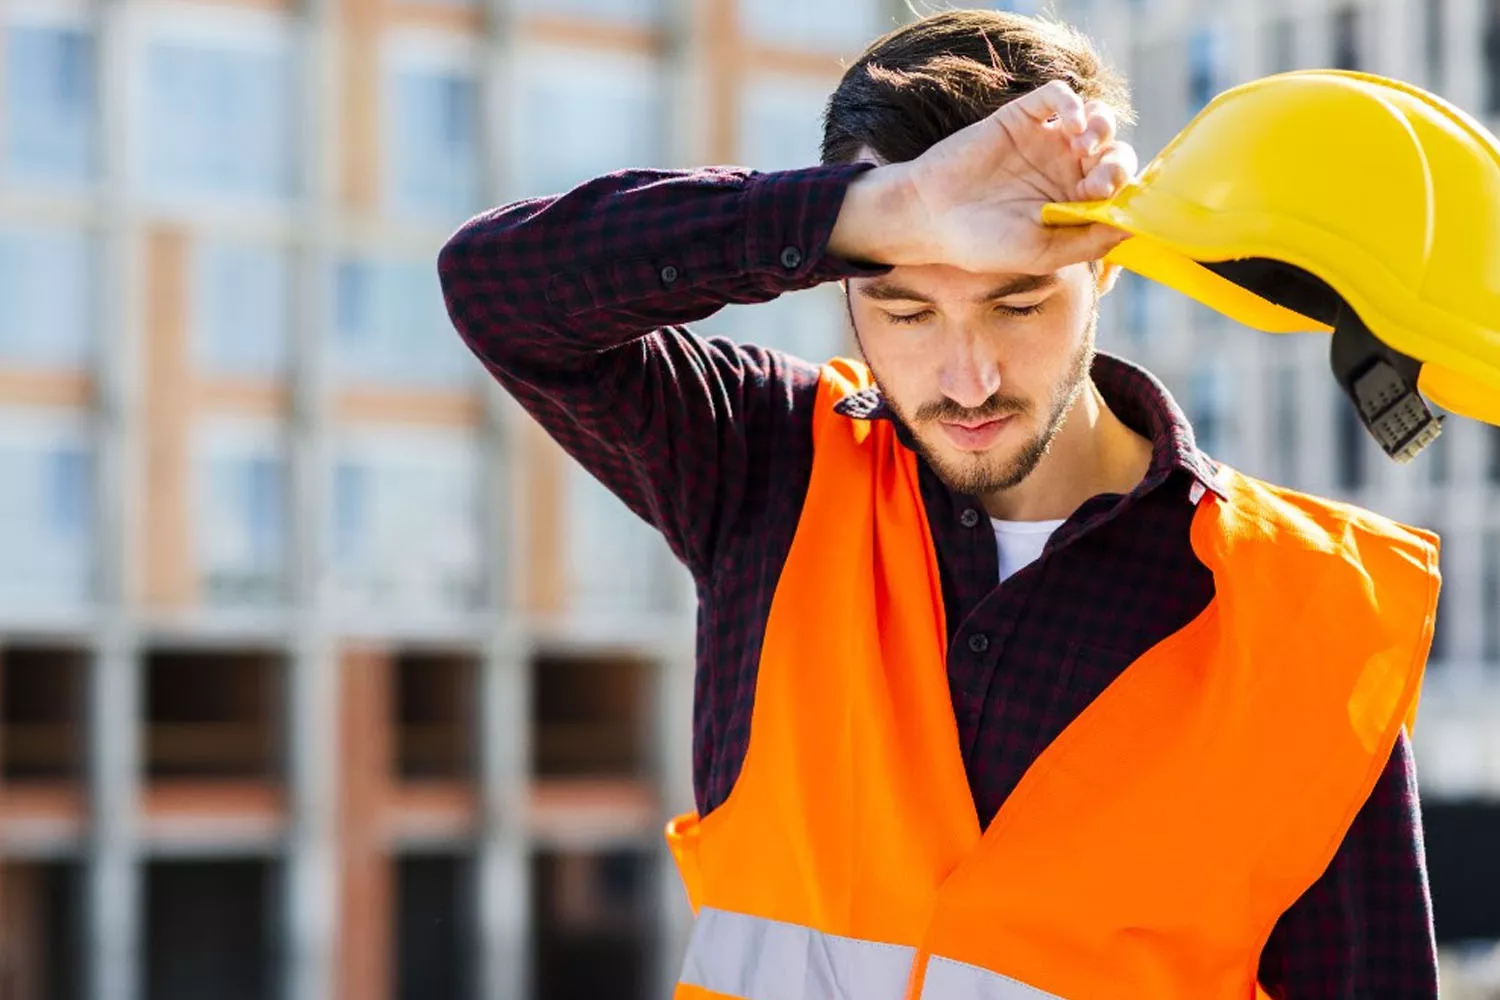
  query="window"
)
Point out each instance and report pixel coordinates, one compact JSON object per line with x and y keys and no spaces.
{"x":1281,"y":44}
{"x":616,"y":561}
{"x":798,"y":24}
{"x":45,"y":948}
{"x":1351,"y":440}
{"x":435,"y":717}
{"x":1205,"y":65}
{"x":589,"y":716}
{"x":1287,"y":435}
{"x":433,"y":144}
{"x":434,"y":932}
{"x":1346,"y":28}
{"x":619,"y":11}
{"x":51,"y":113}
{"x":580,"y":120}
{"x":1206,"y":319}
{"x":219,"y":121}
{"x":1490,"y":595}
{"x":208,"y":928}
{"x":1139,"y":299}
{"x":351,"y":489}
{"x":45,"y":510}
{"x":41,"y":719}
{"x":1492,"y":466}
{"x":241,"y":515}
{"x":1434,"y":39}
{"x":405,"y":522}
{"x":241,"y":309}
{"x":1211,"y":410}
{"x":213,"y":714}
{"x":1436,"y":454}
{"x":1492,"y":56}
{"x":391,"y":326}
{"x":47,"y":282}
{"x":781,"y":125}
{"x":1159,"y":72}
{"x":1459,"y":833}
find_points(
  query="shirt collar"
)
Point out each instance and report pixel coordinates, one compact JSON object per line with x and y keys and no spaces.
{"x":1135,"y":395}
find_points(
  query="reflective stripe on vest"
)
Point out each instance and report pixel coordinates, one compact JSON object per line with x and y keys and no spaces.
{"x":737,"y":955}
{"x":757,"y":959}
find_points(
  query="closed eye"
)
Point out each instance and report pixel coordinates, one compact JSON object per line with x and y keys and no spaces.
{"x":922,"y":316}
{"x":910,"y":318}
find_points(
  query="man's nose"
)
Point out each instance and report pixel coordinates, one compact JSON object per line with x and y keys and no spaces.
{"x":968,"y":377}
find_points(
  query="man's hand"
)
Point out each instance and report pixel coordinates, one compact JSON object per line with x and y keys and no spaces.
{"x":974,"y":200}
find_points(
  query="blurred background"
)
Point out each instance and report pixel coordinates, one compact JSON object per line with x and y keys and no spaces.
{"x":322,"y":673}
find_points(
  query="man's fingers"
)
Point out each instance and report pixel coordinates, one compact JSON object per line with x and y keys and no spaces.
{"x":1099,"y":128}
{"x":1107,"y":172}
{"x":1102,"y":182}
{"x":1052,"y":100}
{"x":1075,"y":244}
{"x":1119,"y":152}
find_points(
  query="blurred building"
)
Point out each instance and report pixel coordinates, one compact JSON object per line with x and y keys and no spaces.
{"x":322,"y":672}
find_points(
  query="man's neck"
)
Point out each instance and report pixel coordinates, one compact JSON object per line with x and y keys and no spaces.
{"x":1093,"y":452}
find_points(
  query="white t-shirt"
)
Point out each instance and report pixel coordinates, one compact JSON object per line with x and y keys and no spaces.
{"x":1020,"y":543}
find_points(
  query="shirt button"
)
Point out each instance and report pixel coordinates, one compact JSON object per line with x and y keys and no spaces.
{"x":979,"y":642}
{"x":969,"y":517}
{"x":790,"y":258}
{"x":669,"y":274}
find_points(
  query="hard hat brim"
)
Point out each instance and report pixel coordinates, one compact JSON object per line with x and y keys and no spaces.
{"x":1153,"y":259}
{"x":1472,"y":395}
{"x":1459,"y":393}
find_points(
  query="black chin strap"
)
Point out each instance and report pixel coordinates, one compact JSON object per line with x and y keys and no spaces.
{"x":1381,"y":382}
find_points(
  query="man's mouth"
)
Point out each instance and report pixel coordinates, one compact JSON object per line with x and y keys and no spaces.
{"x":975,"y":435}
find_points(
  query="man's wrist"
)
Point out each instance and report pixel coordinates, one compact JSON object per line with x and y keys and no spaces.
{"x":875,"y":223}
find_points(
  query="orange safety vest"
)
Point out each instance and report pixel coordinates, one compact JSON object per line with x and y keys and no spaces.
{"x":1147,"y":852}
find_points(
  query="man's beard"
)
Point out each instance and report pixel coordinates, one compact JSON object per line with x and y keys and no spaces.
{"x":979,"y":475}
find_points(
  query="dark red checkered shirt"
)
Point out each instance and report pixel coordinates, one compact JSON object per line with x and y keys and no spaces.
{"x":577,"y":305}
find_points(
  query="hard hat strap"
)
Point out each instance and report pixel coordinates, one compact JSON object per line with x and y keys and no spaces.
{"x":1282,"y":284}
{"x":1382,"y":382}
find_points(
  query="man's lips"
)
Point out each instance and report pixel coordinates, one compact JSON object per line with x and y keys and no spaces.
{"x":975,"y":435}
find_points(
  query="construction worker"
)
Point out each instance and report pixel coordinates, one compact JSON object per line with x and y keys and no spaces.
{"x":1005,"y":689}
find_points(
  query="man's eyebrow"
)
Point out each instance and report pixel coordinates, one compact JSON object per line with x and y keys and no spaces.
{"x":886,"y":290}
{"x":1019,"y":285}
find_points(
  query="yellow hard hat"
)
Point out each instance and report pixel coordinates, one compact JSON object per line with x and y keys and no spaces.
{"x":1335,"y":200}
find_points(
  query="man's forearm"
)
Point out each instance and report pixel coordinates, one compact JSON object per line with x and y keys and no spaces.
{"x":547,"y":292}
{"x":621,"y":255}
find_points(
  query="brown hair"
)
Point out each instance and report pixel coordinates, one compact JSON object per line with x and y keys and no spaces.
{"x":924,"y":81}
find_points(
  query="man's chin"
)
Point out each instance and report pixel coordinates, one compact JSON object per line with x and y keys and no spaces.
{"x":976,"y":473}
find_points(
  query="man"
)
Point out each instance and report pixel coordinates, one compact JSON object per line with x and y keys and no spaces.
{"x":1004,"y":688}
